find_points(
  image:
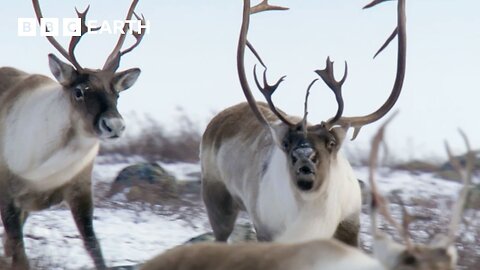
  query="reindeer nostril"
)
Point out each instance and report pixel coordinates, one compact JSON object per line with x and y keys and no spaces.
{"x":105,"y":125}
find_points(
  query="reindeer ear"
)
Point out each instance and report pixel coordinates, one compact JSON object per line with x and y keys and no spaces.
{"x":442,"y":244}
{"x":63,"y":72}
{"x":339,"y":134}
{"x":125,"y":79}
{"x":386,"y":250}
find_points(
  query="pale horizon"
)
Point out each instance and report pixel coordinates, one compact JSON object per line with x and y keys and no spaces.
{"x":188,"y":61}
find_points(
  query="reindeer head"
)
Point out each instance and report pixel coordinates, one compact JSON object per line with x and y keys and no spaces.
{"x":94,"y":92}
{"x":441,"y":253}
{"x":310,"y":149}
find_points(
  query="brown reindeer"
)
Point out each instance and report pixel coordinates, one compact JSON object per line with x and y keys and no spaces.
{"x":290,"y":176}
{"x":49,"y":137}
{"x":441,"y":253}
{"x":330,"y":254}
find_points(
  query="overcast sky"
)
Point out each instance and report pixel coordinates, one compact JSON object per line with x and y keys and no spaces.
{"x":188,"y":61}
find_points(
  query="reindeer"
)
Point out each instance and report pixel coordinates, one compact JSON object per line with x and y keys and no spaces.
{"x":290,"y":176}
{"x":49,"y":136}
{"x":441,"y":253}
{"x":331,"y":254}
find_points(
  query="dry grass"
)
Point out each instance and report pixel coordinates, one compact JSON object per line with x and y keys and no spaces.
{"x":154,"y":143}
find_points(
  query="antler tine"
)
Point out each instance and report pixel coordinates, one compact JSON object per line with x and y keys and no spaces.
{"x":466,"y":175}
{"x":305,"y":110}
{"x":400,"y":31}
{"x":406,"y":220}
{"x":76,"y":39}
{"x":378,"y":201}
{"x":242,"y":43}
{"x":113,"y":59}
{"x":70,"y":55}
{"x":137,"y":34}
{"x":264,"y":6}
{"x":51,"y":39}
{"x":328,"y":77}
{"x":374,"y":3}
{"x":267,"y":90}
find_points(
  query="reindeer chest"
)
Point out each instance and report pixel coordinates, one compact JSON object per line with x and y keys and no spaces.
{"x":41,"y":144}
{"x":287,"y":219}
{"x":288,"y":216}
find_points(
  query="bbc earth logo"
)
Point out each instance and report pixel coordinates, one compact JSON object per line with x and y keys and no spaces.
{"x":68,"y":27}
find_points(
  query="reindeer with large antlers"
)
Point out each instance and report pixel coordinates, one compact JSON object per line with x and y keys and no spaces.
{"x":441,"y":253}
{"x":49,"y":136}
{"x":330,"y":254}
{"x":290,"y":177}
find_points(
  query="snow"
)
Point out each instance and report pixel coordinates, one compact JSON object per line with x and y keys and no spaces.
{"x":127,"y":237}
{"x":133,"y":233}
{"x":423,"y":185}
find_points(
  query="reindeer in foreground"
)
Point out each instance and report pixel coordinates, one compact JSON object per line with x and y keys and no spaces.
{"x":290,"y":176}
{"x":330,"y":254}
{"x":441,"y":253}
{"x":49,"y":137}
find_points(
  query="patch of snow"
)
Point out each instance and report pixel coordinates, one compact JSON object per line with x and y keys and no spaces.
{"x":423,"y":185}
{"x":183,"y":171}
{"x":126,"y":236}
{"x":130,"y":236}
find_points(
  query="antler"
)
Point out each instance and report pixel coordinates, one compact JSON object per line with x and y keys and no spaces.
{"x":305,"y":107}
{"x":263,"y":6}
{"x":70,"y":55}
{"x":327,"y":75}
{"x":267,"y":90}
{"x":379,"y":202}
{"x":113,"y":61}
{"x":76,"y":39}
{"x":466,"y":176}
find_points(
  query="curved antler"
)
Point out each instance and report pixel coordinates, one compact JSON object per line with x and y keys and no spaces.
{"x":327,"y":75}
{"x":267,"y":90}
{"x":113,"y":61}
{"x":70,"y":55}
{"x":466,"y":176}
{"x":378,"y":202}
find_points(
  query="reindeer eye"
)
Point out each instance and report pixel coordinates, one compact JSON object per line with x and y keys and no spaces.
{"x":78,"y":92}
{"x":331,"y":144}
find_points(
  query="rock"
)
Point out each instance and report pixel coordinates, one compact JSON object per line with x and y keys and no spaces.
{"x":147,"y":182}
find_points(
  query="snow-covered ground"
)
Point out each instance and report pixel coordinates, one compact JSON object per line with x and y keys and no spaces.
{"x":131,"y":233}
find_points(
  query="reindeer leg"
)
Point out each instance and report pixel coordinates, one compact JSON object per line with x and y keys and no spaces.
{"x":13,"y":225}
{"x":221,"y":208}
{"x":348,"y":230}
{"x":79,"y":198}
